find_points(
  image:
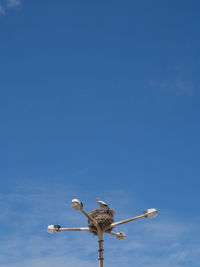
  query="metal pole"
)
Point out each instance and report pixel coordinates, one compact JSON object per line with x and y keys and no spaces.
{"x":100,"y":235}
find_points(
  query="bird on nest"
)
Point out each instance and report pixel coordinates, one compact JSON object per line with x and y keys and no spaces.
{"x":102,"y":204}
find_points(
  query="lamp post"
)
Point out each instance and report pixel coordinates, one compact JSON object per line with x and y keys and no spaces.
{"x":99,"y":222}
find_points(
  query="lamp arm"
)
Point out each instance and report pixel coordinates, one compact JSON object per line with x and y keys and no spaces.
{"x":125,"y":221}
{"x":112,"y":233}
{"x":75,"y":229}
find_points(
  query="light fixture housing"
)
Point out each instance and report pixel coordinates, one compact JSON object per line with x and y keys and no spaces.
{"x":121,"y":236}
{"x":150,"y":213}
{"x":53,"y":229}
{"x":77,"y":204}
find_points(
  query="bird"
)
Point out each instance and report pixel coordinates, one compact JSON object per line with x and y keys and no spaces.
{"x":102,"y":204}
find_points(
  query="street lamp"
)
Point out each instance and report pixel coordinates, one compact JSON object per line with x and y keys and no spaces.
{"x":53,"y":229}
{"x":100,"y":221}
{"x":77,"y":204}
{"x":150,"y":213}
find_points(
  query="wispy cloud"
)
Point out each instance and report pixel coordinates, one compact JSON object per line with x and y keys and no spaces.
{"x":8,"y":4}
{"x":2,"y":10}
{"x":178,"y":79}
{"x":13,"y":3}
{"x":178,"y":85}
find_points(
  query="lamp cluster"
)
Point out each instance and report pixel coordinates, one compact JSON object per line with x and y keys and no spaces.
{"x":108,"y":222}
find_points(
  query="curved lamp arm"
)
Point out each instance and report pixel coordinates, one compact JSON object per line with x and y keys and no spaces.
{"x":120,"y":235}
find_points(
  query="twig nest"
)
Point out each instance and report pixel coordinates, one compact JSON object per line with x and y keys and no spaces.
{"x":103,"y":217}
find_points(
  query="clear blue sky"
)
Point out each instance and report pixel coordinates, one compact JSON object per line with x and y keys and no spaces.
{"x":99,"y":99}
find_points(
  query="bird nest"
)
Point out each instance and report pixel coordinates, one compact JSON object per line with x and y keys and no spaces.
{"x":103,"y":217}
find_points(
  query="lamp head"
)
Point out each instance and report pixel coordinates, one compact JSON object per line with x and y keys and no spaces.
{"x":150,"y":213}
{"x":53,"y":229}
{"x":121,"y":236}
{"x":77,"y":204}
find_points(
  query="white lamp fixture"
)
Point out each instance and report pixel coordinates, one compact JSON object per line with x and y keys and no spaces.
{"x":150,"y":213}
{"x":121,"y":236}
{"x":53,"y":229}
{"x":77,"y":204}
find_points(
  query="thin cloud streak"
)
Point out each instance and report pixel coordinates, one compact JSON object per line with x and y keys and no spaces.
{"x":2,"y":10}
{"x":178,"y":85}
{"x":9,"y":4}
{"x":13,"y":3}
{"x":178,"y":79}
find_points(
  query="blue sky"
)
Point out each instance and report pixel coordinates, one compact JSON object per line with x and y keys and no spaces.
{"x":99,"y":99}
